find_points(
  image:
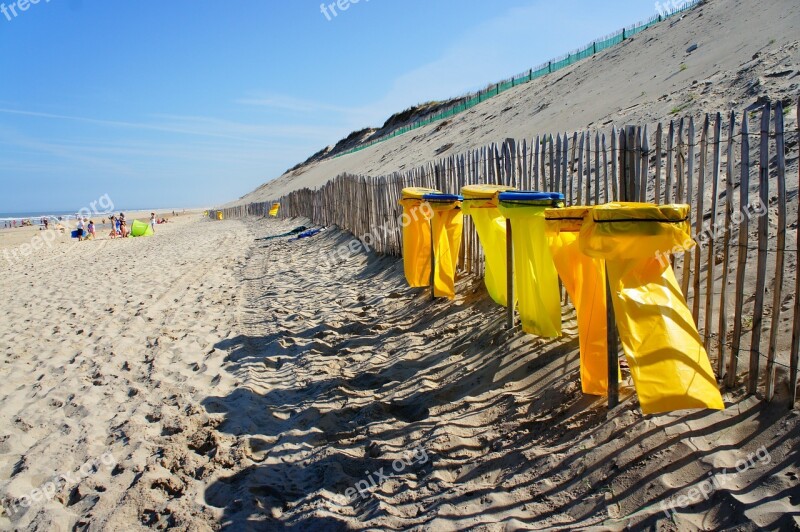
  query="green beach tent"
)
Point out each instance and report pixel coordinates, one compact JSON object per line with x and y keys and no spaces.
{"x":141,"y":229}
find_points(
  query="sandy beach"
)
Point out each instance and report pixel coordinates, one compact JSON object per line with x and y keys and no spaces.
{"x":227,"y":375}
{"x":206,"y":378}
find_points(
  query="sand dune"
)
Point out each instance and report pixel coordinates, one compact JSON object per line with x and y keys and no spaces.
{"x":748,"y":51}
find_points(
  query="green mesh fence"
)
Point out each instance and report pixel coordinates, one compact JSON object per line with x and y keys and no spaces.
{"x":472,"y":100}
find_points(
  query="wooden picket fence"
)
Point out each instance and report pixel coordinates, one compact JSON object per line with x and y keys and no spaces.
{"x":700,"y":163}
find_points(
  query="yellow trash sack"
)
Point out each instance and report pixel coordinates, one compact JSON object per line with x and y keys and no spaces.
{"x":585,"y":280}
{"x":273,"y":212}
{"x":481,"y":203}
{"x":534,"y":270}
{"x":416,"y":236}
{"x":448,"y":226}
{"x":670,"y":367}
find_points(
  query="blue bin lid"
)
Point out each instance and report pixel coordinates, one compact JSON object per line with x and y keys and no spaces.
{"x":530,"y":195}
{"x":442,"y":197}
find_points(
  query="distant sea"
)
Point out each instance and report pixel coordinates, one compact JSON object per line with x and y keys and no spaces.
{"x":36,"y":216}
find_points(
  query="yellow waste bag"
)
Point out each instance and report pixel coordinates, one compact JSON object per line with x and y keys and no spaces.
{"x":273,"y":212}
{"x":481,"y":203}
{"x":416,"y":236}
{"x":448,"y":226}
{"x":669,"y":365}
{"x":219,"y":215}
{"x":585,"y":281}
{"x":534,"y":270}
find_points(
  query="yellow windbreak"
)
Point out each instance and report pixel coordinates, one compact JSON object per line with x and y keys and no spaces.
{"x":416,"y":237}
{"x":585,"y":281}
{"x":670,"y":367}
{"x":534,"y":271}
{"x":481,"y":203}
{"x":448,"y":226}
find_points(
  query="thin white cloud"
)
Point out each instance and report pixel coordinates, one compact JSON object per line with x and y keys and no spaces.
{"x":195,"y":126}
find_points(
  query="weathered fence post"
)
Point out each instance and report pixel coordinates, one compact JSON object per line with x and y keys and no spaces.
{"x":763,"y":249}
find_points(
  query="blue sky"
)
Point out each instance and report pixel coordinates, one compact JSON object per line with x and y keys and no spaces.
{"x":189,"y":103}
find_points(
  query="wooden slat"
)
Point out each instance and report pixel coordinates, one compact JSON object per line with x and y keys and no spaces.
{"x":722,"y":330}
{"x":780,"y":246}
{"x":536,"y":146}
{"x":564,"y":165}
{"x":763,"y":249}
{"x":551,"y":184}
{"x":670,"y":147}
{"x":588,"y":167}
{"x":557,"y":184}
{"x":614,"y":160}
{"x":636,"y":182}
{"x":597,"y":168}
{"x":659,"y":135}
{"x":580,"y":170}
{"x":698,"y":226}
{"x":572,"y":163}
{"x":544,"y":163}
{"x":645,"y":165}
{"x":711,"y":265}
{"x":607,"y":196}
{"x":689,"y":190}
{"x":793,"y":357}
{"x":680,"y":165}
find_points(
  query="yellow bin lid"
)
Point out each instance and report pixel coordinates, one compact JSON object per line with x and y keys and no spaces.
{"x":483,"y":191}
{"x":568,"y":219}
{"x":417,"y":192}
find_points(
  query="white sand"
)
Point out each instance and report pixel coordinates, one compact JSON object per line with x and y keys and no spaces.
{"x":237,"y":382}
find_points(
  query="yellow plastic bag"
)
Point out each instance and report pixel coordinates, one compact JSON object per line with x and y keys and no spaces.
{"x":273,"y":212}
{"x":585,"y":280}
{"x":481,"y":203}
{"x":448,"y":226}
{"x":534,"y":270}
{"x":669,"y":365}
{"x":416,"y":237}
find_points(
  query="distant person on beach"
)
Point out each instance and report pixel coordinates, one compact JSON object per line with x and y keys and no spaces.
{"x":80,"y":230}
{"x":46,"y":223}
{"x":123,"y":227}
{"x":153,"y":221}
{"x":113,"y":221}
{"x":92,"y":229}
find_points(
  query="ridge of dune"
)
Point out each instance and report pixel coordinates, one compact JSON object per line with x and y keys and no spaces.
{"x":648,"y":78}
